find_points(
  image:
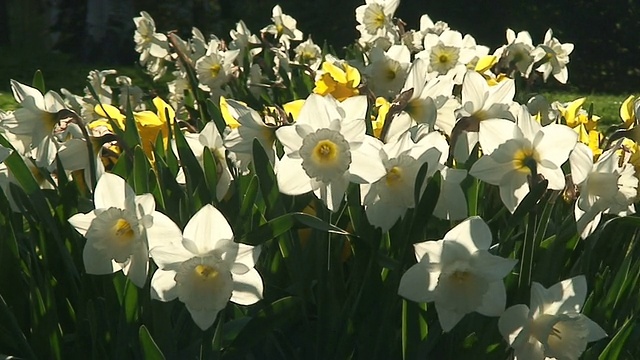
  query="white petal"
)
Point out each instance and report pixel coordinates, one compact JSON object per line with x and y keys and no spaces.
{"x":82,"y":222}
{"x":581,"y":161}
{"x":431,"y":249}
{"x":292,"y":178}
{"x":595,"y":331}
{"x":206,"y":228}
{"x":113,"y":191}
{"x":163,"y":231}
{"x":513,"y":188}
{"x":512,"y":321}
{"x":494,"y":300}
{"x":163,"y":285}
{"x":448,"y":319}
{"x":96,"y":263}
{"x":490,"y":171}
{"x":169,"y":256}
{"x":472,"y":233}
{"x":247,"y":288}
{"x":494,"y":132}
{"x":145,"y":205}
{"x":556,"y":144}
{"x":289,"y":138}
{"x":567,"y":296}
{"x":138,"y":265}
{"x":490,"y":266}
{"x":418,"y":283}
{"x":364,"y":164}
{"x":555,"y":177}
{"x":203,"y":318}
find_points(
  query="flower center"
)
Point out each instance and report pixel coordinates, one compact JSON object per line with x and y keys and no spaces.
{"x":325,"y":155}
{"x":123,"y":231}
{"x":206,"y":272}
{"x":443,"y":58}
{"x":374,"y":18}
{"x":215,"y":69}
{"x":394,"y":176}
{"x":204,"y":283}
{"x":526,"y":161}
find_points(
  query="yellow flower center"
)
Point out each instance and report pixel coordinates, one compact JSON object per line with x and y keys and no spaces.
{"x":206,"y":272}
{"x":443,"y":58}
{"x":215,"y":70}
{"x":325,"y":151}
{"x":123,"y":230}
{"x":393,"y":177}
{"x":279,"y":28}
{"x":525,"y":160}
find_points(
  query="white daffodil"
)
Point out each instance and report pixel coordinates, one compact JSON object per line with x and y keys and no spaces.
{"x":387,"y":70}
{"x":326,"y":148}
{"x":448,"y":54}
{"x":452,"y":204}
{"x":485,"y":114}
{"x":427,"y":26}
{"x":517,"y":52}
{"x":215,"y":67}
{"x":308,"y":53}
{"x":607,"y":187}
{"x":553,"y":328}
{"x":210,"y":138}
{"x":284,"y":27}
{"x":244,"y":40}
{"x":387,"y":199}
{"x":206,"y":269}
{"x":248,"y":126}
{"x":121,"y":230}
{"x":375,"y":20}
{"x":555,"y":56}
{"x":37,"y":117}
{"x":532,"y":150}
{"x":431,"y":102}
{"x":459,"y":274}
{"x":149,"y":43}
{"x":74,"y":156}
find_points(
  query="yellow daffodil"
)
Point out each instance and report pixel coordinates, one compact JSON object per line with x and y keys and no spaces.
{"x":627,"y":111}
{"x":592,"y":138}
{"x":575,"y":115}
{"x":382,"y":107}
{"x":340,"y":81}
{"x":148,"y":123}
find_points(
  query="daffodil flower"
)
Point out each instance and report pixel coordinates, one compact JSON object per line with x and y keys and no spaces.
{"x":553,"y":327}
{"x":326,"y":148}
{"x":338,"y":79}
{"x":459,"y":274}
{"x":532,"y":150}
{"x":121,"y":230}
{"x":607,"y":187}
{"x":206,"y":269}
{"x":555,"y":57}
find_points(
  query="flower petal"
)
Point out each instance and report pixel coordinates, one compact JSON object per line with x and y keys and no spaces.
{"x":292,"y":178}
{"x":206,"y":228}
{"x":113,"y":191}
{"x":418,"y":283}
{"x":512,"y":321}
{"x":473,"y":234}
{"x":448,"y":319}
{"x":82,"y":222}
{"x":247,"y":288}
{"x":163,"y":285}
{"x":494,"y":300}
{"x":163,"y":231}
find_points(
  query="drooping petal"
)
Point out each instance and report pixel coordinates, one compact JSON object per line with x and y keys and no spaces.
{"x":138,"y":266}
{"x":247,"y":288}
{"x":203,"y":318}
{"x":96,"y":263}
{"x":448,"y":318}
{"x":513,"y":188}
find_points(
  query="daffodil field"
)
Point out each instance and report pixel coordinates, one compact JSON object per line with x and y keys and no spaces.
{"x":414,"y":198}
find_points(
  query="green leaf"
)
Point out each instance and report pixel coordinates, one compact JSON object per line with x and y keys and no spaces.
{"x":141,"y":169}
{"x":150,"y":349}
{"x":615,"y":348}
{"x":268,"y":183}
{"x":210,"y":172}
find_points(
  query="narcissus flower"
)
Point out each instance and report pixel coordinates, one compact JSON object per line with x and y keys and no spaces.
{"x":553,"y":327}
{"x":338,"y":79}
{"x":121,"y":230}
{"x":532,"y":150}
{"x":206,"y":269}
{"x":459,"y":274}
{"x":326,"y":148}
{"x":555,"y":57}
{"x":608,"y":186}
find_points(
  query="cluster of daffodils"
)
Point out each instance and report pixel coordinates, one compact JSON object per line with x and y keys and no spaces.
{"x":201,"y":266}
{"x":429,"y":99}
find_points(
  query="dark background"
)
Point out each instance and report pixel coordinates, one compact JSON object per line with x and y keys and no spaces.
{"x":606,"y":33}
